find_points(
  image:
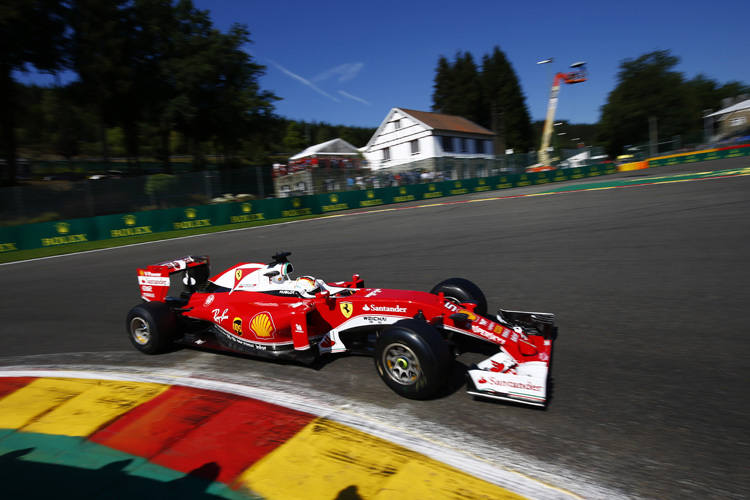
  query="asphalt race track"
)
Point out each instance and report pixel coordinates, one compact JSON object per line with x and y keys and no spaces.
{"x":650,"y":285}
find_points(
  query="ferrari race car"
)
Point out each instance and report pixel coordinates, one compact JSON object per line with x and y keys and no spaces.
{"x":414,"y":337}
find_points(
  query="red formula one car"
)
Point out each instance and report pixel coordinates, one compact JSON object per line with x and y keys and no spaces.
{"x":414,"y":336}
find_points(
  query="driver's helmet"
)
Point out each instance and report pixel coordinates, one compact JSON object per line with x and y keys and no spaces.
{"x":308,"y":286}
{"x":283,"y":276}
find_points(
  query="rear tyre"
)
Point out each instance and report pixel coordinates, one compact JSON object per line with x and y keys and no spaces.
{"x":152,"y":327}
{"x":412,"y":358}
{"x":458,"y":290}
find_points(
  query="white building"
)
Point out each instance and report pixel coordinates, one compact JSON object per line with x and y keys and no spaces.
{"x":407,"y":136}
{"x":734,"y":118}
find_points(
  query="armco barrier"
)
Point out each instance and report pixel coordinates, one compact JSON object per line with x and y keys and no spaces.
{"x":106,"y":227}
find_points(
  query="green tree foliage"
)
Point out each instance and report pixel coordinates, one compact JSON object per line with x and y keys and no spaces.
{"x":649,"y":86}
{"x":32,"y":35}
{"x":490,"y":96}
{"x":458,"y":89}
{"x":146,"y":69}
{"x":507,"y":113}
{"x":294,"y":141}
{"x":100,"y":52}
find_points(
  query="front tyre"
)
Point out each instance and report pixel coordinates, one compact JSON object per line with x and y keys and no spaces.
{"x":460,"y":290}
{"x":151,"y":326}
{"x":412,"y":358}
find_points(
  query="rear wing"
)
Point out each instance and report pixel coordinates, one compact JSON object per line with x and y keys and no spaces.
{"x":155,"y":279}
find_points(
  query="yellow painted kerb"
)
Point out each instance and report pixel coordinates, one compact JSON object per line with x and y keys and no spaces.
{"x":72,"y":407}
{"x":327,"y":460}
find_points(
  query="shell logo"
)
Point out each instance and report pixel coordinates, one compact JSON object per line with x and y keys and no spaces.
{"x":262,"y":326}
{"x":471,"y":315}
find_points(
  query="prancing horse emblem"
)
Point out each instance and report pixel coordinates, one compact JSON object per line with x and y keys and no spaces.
{"x":346,"y":309}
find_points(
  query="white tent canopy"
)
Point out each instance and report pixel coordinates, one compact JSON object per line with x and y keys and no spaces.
{"x":335,"y":147}
{"x":731,"y":109}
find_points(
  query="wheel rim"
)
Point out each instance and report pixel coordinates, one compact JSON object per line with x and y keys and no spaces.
{"x":139,"y":330}
{"x":454,"y":300}
{"x":401,"y":364}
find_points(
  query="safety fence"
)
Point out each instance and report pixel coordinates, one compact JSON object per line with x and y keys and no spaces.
{"x":237,"y":214}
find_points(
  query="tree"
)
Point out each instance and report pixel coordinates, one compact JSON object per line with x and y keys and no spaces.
{"x":294,"y":140}
{"x":100,"y":49}
{"x":505,"y":110}
{"x":457,"y":88}
{"x":647,"y":87}
{"x":32,"y":34}
{"x":490,"y":96}
{"x":200,"y":82}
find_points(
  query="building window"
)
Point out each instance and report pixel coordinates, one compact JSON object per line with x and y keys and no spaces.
{"x":397,"y":124}
{"x":447,"y":144}
{"x":464,"y":145}
{"x":480,"y":147}
{"x":415,"y":147}
{"x":386,"y":154}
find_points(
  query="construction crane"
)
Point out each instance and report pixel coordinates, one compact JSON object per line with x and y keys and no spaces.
{"x":578,"y":75}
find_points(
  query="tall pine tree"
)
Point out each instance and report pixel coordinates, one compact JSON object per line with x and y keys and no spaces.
{"x":490,"y":97}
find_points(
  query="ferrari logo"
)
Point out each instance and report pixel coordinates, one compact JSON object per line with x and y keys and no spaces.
{"x":238,"y":274}
{"x":346,"y":309}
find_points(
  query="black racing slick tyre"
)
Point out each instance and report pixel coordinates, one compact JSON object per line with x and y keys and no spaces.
{"x":412,"y":358}
{"x":459,"y":290}
{"x":152,"y":327}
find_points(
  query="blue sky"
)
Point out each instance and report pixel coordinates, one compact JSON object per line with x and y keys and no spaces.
{"x":350,"y":62}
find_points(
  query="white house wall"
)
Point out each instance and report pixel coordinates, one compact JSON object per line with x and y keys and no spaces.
{"x":396,"y":135}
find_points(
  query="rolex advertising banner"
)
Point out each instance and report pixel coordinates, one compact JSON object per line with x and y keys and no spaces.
{"x":707,"y":155}
{"x":11,"y":238}
{"x":55,"y":234}
{"x":246,"y":211}
{"x":298,"y":206}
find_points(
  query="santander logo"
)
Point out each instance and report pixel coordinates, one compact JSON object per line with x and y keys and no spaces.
{"x":371,"y":307}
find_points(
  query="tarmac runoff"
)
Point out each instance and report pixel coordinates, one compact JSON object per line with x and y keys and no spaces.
{"x":99,"y":435}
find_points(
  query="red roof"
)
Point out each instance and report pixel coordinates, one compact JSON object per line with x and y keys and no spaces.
{"x":439,"y":121}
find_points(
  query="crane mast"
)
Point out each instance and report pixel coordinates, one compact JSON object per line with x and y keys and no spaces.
{"x":578,"y":75}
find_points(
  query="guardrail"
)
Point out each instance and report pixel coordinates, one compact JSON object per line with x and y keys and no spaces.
{"x":112,"y":227}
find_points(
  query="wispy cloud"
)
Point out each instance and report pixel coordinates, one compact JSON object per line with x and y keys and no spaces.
{"x":303,"y":81}
{"x":343,"y":72}
{"x":354,"y":97}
